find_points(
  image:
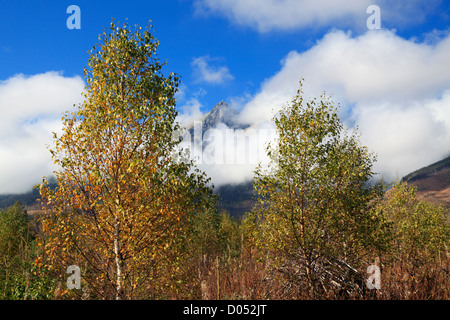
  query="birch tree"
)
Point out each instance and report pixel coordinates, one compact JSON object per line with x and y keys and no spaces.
{"x":123,"y":204}
{"x":315,"y":200}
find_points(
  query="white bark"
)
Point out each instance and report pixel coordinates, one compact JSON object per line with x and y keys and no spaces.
{"x":119,"y":261}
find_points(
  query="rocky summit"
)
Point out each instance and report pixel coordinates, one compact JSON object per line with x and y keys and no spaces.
{"x":220,"y":113}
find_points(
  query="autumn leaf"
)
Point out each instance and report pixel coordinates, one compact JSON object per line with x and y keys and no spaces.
{"x":122,"y":203}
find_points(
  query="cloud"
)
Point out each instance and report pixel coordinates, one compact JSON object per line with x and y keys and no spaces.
{"x":284,"y":15}
{"x":30,"y":110}
{"x":207,"y":73}
{"x":397,"y":91}
{"x":406,"y":137}
{"x":375,"y":67}
{"x":190,"y":112}
{"x":228,"y":155}
{"x":267,"y":15}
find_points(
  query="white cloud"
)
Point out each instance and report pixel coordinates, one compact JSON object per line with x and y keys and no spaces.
{"x":375,"y":67}
{"x":406,"y":137}
{"x":204,"y":71}
{"x":30,"y":109}
{"x":283,"y":15}
{"x":266,"y":15}
{"x":395,"y":90}
{"x":229,"y":156}
{"x":226,"y":155}
{"x":190,"y":112}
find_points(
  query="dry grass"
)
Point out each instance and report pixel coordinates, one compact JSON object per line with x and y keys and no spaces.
{"x":430,"y":281}
{"x":245,"y":277}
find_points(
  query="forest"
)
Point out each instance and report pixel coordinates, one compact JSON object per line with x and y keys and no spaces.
{"x":139,"y":220}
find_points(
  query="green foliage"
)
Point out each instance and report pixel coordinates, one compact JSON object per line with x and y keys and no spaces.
{"x":19,"y":277}
{"x":124,"y":205}
{"x":315,"y":199}
{"x":230,"y":235}
{"x":421,"y":231}
{"x":142,"y":224}
{"x":14,"y":239}
{"x":13,"y":231}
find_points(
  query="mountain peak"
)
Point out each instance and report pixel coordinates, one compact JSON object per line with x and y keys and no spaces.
{"x":220,"y":113}
{"x":221,"y":104}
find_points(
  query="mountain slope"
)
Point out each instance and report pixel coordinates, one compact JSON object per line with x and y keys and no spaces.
{"x":28,"y":199}
{"x":236,"y":199}
{"x":432,"y":182}
{"x":220,"y":113}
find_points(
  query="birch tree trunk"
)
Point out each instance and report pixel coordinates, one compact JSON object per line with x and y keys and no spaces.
{"x":119,"y":260}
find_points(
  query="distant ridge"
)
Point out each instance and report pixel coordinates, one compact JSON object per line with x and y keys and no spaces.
{"x":28,"y":199}
{"x":236,"y":199}
{"x":432,"y":182}
{"x":426,"y":171}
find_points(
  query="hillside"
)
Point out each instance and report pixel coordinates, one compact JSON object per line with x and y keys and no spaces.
{"x":236,"y":199}
{"x":432,"y":182}
{"x":28,"y":199}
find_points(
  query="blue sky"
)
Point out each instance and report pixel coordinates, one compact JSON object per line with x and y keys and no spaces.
{"x":35,"y":39}
{"x":394,"y":83}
